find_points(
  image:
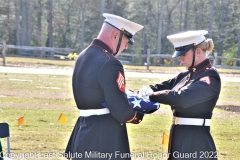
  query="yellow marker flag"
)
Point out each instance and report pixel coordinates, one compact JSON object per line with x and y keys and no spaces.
{"x":165,"y":139}
{"x":62,"y":119}
{"x":21,"y":120}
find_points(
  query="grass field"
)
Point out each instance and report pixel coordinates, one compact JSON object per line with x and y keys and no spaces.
{"x":42,"y":98}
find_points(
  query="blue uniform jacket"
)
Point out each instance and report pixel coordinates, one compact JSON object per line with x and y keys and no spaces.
{"x":191,"y":94}
{"x":99,"y":77}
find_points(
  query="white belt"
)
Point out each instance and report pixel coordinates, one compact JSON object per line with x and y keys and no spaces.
{"x":91,"y":112}
{"x":191,"y":121}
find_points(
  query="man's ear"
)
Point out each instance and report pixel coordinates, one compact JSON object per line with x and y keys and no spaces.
{"x":115,"y":34}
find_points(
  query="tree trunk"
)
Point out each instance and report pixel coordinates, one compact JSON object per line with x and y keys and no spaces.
{"x":77,"y":26}
{"x":39,"y":25}
{"x":180,"y":18}
{"x":196,"y":5}
{"x":24,"y":22}
{"x":145,"y":32}
{"x":102,"y":3}
{"x":160,"y":21}
{"x":8,"y":22}
{"x":50,"y":28}
{"x":186,"y":16}
{"x":169,"y":26}
{"x":222,"y":30}
{"x":4,"y":53}
{"x":211,"y":11}
{"x":81,"y":46}
{"x":29,"y":22}
{"x":17,"y":13}
{"x":238,"y":52}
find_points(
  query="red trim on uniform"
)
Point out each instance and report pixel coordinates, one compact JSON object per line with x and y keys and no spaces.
{"x":133,"y":117}
{"x":171,"y":132}
{"x":105,"y":44}
{"x":206,"y":79}
{"x":120,"y":81}
{"x":170,"y":140}
{"x":104,"y":50}
{"x":209,"y":65}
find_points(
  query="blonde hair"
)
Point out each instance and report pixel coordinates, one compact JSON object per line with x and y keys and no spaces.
{"x":206,"y":46}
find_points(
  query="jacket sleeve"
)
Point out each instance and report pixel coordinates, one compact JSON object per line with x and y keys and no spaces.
{"x":204,"y":88}
{"x":162,"y":86}
{"x":112,"y":81}
{"x":166,"y":85}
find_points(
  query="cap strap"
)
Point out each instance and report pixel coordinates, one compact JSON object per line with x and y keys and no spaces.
{"x":119,"y":42}
{"x":191,"y":68}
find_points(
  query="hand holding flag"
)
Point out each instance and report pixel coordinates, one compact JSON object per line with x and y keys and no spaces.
{"x":140,"y":103}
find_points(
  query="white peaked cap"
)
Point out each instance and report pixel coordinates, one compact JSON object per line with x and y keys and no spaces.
{"x":122,"y":23}
{"x":187,"y":38}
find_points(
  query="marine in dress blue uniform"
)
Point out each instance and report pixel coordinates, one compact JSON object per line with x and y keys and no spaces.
{"x":98,"y":77}
{"x":192,"y":95}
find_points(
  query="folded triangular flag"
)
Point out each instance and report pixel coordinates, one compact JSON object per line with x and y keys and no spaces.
{"x":165,"y":139}
{"x":21,"y":120}
{"x":62,"y":119}
{"x":140,"y":104}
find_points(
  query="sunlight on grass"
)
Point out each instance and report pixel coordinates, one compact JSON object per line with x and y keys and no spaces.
{"x":43,"y":133}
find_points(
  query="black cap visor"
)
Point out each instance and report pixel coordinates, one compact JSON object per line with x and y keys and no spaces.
{"x":131,"y":40}
{"x":182,"y":50}
{"x":129,"y":36}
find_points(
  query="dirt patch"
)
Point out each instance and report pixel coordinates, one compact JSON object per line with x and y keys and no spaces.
{"x":40,"y":94}
{"x":231,"y":108}
{"x":36,"y":106}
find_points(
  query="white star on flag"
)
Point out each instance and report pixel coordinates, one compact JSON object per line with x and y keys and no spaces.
{"x":156,"y":104}
{"x":136,"y":103}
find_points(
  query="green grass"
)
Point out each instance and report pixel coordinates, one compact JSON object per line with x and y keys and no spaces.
{"x":41,"y":107}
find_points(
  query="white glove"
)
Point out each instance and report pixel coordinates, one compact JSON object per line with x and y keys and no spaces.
{"x":145,"y":92}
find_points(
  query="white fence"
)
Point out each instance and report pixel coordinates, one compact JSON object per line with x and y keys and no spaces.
{"x":125,"y":58}
{"x":128,"y":58}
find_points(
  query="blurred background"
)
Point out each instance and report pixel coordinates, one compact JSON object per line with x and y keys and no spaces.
{"x":69,"y":26}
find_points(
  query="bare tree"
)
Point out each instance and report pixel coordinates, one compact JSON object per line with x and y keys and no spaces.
{"x":238,"y":51}
{"x":39,"y":24}
{"x":169,"y":24}
{"x":160,"y":22}
{"x":180,"y":16}
{"x":24,"y":23}
{"x":145,"y":32}
{"x":81,"y":46}
{"x":222,"y":31}
{"x":186,"y":16}
{"x":211,"y":11}
{"x":49,"y":42}
{"x":102,"y":4}
{"x":29,"y":22}
{"x":17,"y":13}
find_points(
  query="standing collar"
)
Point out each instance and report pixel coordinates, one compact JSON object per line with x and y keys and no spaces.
{"x":101,"y":44}
{"x":206,"y":64}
